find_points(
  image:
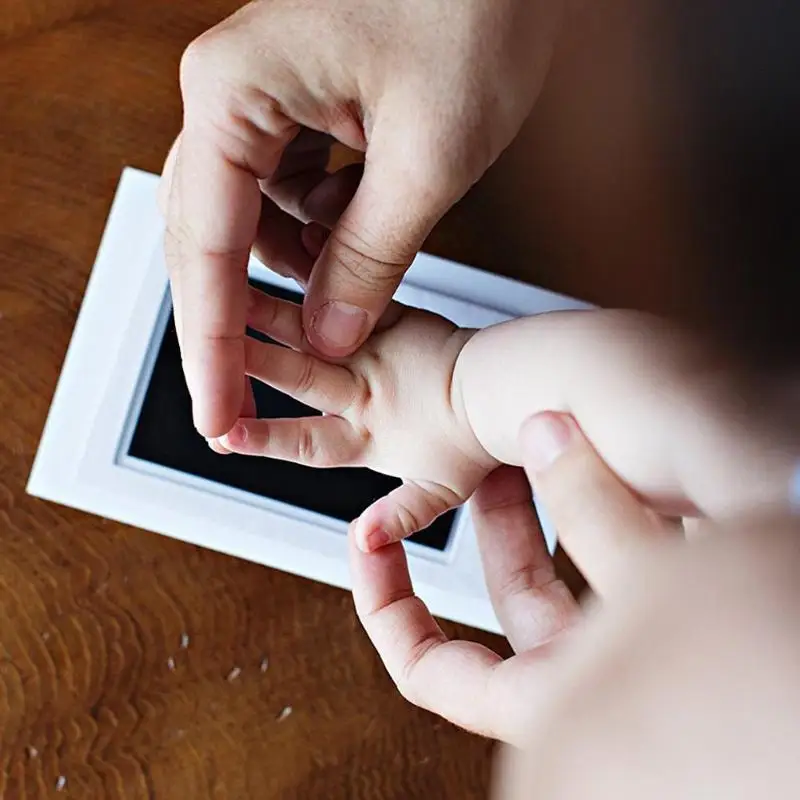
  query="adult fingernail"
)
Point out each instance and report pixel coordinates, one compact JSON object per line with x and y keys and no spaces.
{"x":313,"y":237}
{"x":375,"y":540}
{"x":340,"y":324}
{"x":544,"y":439}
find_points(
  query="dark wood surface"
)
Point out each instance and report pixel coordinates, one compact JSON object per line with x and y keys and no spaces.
{"x":91,"y":612}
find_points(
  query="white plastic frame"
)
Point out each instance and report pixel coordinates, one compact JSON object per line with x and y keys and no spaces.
{"x":82,"y":459}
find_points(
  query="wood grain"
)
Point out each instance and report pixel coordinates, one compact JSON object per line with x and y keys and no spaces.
{"x":92,"y":613}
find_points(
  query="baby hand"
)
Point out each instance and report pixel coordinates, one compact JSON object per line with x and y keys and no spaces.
{"x":388,"y":407}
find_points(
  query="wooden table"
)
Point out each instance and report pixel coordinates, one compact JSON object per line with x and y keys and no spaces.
{"x":92,"y":613}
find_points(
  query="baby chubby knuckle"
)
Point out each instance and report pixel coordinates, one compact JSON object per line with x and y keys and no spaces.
{"x":305,"y":377}
{"x":408,"y":519}
{"x":358,"y":404}
{"x":444,"y":497}
{"x":307,"y":445}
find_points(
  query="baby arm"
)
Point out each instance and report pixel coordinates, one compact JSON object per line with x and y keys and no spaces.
{"x":655,"y":405}
{"x":440,"y":407}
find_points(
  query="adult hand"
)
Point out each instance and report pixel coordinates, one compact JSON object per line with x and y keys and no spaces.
{"x":431,"y":91}
{"x":467,"y":683}
{"x":685,"y":684}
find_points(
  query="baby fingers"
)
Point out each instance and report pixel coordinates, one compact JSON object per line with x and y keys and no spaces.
{"x":279,"y":319}
{"x":327,"y":387}
{"x":312,"y":441}
{"x":404,"y":511}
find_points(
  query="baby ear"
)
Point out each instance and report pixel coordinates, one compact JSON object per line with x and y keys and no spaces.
{"x":404,"y":511}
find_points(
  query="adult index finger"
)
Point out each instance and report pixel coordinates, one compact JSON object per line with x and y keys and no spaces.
{"x":464,"y":682}
{"x":231,"y":139}
{"x":209,"y":235}
{"x":532,"y":604}
{"x":447,"y":678}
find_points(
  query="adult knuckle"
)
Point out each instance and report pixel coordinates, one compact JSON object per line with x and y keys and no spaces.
{"x":518,"y":581}
{"x":197,"y":61}
{"x":211,"y":72}
{"x":408,"y":689}
{"x":407,"y":681}
{"x":408,"y":686}
{"x":361,"y":264}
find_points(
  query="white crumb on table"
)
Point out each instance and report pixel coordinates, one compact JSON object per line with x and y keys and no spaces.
{"x":171,"y":664}
{"x":184,"y":641}
{"x":32,"y":752}
{"x":234,"y":674}
{"x":287,"y":712}
{"x":264,"y":666}
{"x":61,"y":783}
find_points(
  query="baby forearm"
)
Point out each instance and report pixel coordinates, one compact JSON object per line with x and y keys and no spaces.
{"x":508,"y":372}
{"x":649,"y":399}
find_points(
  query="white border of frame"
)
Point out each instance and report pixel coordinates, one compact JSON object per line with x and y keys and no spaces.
{"x":82,"y":459}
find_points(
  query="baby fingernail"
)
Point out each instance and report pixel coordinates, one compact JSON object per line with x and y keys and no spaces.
{"x":375,"y":540}
{"x":217,"y":446}
{"x":340,"y":324}
{"x":235,"y":437}
{"x":544,"y":439}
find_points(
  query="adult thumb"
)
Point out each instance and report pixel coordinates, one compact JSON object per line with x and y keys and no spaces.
{"x":370,"y":248}
{"x":598,"y":519}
